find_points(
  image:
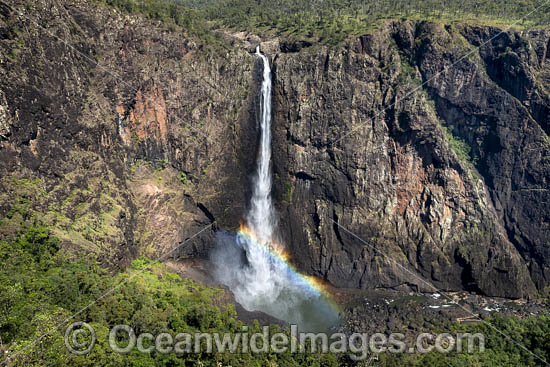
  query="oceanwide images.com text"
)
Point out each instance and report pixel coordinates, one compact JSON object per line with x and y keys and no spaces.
{"x":80,"y":339}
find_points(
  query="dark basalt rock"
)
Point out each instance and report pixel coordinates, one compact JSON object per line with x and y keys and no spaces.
{"x":387,"y":170}
{"x":289,"y":46}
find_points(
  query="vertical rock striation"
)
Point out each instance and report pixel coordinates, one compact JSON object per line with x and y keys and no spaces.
{"x":438,"y":161}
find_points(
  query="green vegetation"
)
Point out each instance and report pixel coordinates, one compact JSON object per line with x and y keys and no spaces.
{"x":40,"y":289}
{"x":462,"y":151}
{"x":329,"y":21}
{"x":183,"y":178}
{"x":171,"y":12}
{"x":87,"y":213}
{"x":134,"y":136}
{"x":288,"y":192}
{"x":509,"y":342}
{"x":18,"y":42}
{"x":408,"y":75}
{"x":205,"y":169}
{"x":459,"y":146}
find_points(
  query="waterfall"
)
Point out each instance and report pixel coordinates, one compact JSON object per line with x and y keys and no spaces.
{"x":262,"y":282}
{"x":260,"y":217}
{"x":252,"y":264}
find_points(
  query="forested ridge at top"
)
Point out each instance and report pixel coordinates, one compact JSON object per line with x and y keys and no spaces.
{"x":331,"y":21}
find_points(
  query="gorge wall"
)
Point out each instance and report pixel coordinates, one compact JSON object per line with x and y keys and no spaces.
{"x":450,"y":179}
{"x":127,"y":137}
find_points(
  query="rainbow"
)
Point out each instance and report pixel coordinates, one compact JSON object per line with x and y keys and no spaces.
{"x":278,"y":254}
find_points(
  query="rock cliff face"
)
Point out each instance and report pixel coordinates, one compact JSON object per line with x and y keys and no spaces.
{"x":122,"y":134}
{"x":436,"y":160}
{"x":128,"y":137}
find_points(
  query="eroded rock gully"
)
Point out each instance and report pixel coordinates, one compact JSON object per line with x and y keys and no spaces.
{"x":437,"y":161}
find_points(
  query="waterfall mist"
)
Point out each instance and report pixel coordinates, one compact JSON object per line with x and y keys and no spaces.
{"x":252,"y":264}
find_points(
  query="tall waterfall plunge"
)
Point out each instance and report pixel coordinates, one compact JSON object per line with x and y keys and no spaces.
{"x":253,"y":265}
{"x":260,"y":218}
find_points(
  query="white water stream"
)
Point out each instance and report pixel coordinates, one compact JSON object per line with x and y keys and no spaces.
{"x":260,"y":217}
